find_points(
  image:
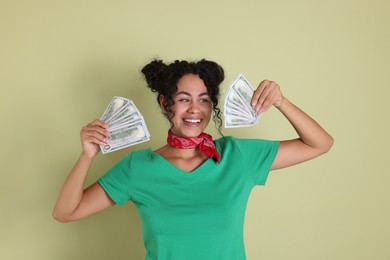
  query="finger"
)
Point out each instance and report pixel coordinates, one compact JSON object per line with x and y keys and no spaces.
{"x":100,"y":123}
{"x":99,"y":126}
{"x":93,"y":137}
{"x":273,"y":97}
{"x":268,"y":101}
{"x":264,"y":96}
{"x":258,"y":91}
{"x":95,"y":130}
{"x":272,"y":90}
{"x":94,"y":140}
{"x":97,"y":134}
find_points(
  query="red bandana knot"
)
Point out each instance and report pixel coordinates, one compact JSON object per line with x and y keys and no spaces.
{"x":203,"y":141}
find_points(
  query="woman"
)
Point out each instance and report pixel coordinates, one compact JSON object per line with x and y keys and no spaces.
{"x":192,"y":192}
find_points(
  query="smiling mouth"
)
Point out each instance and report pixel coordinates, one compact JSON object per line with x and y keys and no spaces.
{"x":193,"y":121}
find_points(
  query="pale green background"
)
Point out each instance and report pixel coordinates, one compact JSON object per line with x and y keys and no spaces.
{"x":62,"y":61}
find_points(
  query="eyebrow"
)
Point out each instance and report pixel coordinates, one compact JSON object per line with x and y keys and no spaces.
{"x":188,"y":94}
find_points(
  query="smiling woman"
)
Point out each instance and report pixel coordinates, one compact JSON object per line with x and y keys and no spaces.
{"x":192,"y":192}
{"x":192,"y":107}
{"x":165,"y":80}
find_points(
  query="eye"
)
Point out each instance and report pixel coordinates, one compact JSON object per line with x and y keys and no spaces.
{"x":184,"y":100}
{"x":204,"y":100}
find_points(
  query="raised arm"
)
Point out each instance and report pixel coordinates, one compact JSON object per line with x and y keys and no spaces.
{"x":312,"y":139}
{"x":74,"y":202}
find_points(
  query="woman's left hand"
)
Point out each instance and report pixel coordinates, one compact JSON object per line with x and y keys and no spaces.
{"x":267,"y":94}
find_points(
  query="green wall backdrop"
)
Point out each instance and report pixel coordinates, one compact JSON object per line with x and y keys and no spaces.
{"x":61,"y":62}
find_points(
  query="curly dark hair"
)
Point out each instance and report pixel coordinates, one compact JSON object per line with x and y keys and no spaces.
{"x":163,"y":78}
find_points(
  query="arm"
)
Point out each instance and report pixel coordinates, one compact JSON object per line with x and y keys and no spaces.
{"x":313,"y":140}
{"x":74,"y":202}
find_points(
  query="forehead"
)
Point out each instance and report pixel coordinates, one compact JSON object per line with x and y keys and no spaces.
{"x":192,"y":84}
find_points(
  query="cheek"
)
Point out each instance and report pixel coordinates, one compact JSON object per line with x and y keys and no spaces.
{"x":208,"y":111}
{"x":178,"y":108}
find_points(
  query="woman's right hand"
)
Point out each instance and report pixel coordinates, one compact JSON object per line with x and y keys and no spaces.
{"x":92,"y":135}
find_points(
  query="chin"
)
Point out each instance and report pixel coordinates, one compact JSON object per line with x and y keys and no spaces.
{"x":188,"y":133}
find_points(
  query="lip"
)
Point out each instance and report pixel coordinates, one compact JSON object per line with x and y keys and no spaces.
{"x":192,"y":120}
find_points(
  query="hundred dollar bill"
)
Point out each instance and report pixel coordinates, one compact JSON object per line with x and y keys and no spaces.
{"x":126,"y":136}
{"x":128,"y":120}
{"x":131,"y":123}
{"x":235,"y":113}
{"x":116,"y":104}
{"x":234,"y":121}
{"x":126,"y":125}
{"x":234,"y":109}
{"x":123,"y":124}
{"x":244,"y":89}
{"x":235,"y":99}
{"x":238,"y":110}
{"x":126,"y":111}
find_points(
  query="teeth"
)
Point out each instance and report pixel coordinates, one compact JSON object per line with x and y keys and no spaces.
{"x":192,"y":120}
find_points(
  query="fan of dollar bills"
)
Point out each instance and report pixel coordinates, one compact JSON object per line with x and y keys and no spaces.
{"x":238,"y":110}
{"x":126,"y":125}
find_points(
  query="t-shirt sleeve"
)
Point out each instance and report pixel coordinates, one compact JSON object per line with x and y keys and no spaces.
{"x":259,"y":156}
{"x":116,"y":182}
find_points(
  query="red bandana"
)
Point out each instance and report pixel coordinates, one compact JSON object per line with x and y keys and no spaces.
{"x":203,"y":141}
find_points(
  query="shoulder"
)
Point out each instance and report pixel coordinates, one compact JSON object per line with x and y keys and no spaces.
{"x":135,"y":156}
{"x":225,"y":141}
{"x":228,"y":145}
{"x":243,"y":147}
{"x":141,"y":153}
{"x":231,"y":141}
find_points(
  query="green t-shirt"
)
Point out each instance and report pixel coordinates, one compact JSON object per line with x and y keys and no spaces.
{"x":197,"y":215}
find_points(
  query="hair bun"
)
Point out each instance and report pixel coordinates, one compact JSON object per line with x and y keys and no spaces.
{"x":154,"y":73}
{"x":212,"y":71}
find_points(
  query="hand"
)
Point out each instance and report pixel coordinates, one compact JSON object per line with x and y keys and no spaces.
{"x":266,"y":95}
{"x":93,"y":135}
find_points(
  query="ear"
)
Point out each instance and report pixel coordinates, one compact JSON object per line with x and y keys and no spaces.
{"x":162,"y":103}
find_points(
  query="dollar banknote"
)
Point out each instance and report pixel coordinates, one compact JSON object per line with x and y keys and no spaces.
{"x":126,"y":136}
{"x":116,"y":104}
{"x":126,"y":125}
{"x":238,"y":110}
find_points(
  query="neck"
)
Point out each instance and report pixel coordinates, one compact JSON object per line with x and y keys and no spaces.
{"x":203,"y":143}
{"x":181,"y":153}
{"x":184,"y":159}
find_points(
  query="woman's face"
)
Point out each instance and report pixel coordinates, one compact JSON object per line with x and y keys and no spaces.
{"x":192,"y":107}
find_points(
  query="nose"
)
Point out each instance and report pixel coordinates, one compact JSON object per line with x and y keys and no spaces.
{"x":193,"y":108}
